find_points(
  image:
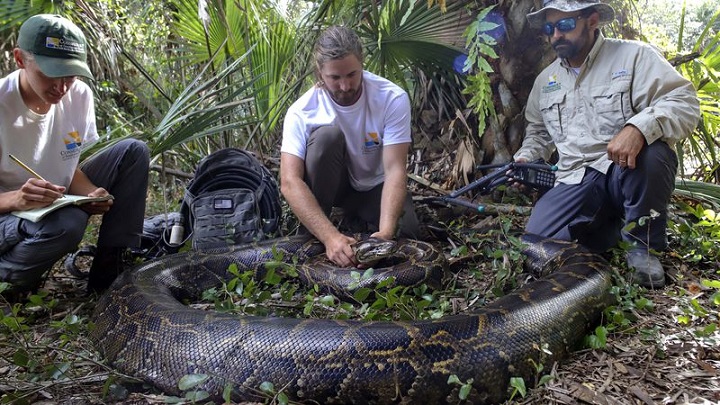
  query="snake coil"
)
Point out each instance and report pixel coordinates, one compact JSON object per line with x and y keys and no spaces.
{"x":142,"y":329}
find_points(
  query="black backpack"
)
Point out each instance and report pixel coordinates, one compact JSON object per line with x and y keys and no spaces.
{"x":232,"y":199}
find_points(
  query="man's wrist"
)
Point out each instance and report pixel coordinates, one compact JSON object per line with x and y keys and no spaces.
{"x":387,"y":234}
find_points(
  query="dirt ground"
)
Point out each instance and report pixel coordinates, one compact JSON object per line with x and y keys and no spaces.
{"x":656,"y":361}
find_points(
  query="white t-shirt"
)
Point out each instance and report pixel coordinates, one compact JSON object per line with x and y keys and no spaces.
{"x":48,"y":143}
{"x":380,"y":117}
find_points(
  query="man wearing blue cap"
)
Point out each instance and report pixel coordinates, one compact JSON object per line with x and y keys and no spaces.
{"x":613,"y":110}
{"x":47,"y":118}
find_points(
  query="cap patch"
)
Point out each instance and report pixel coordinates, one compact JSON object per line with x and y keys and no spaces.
{"x":63,"y":45}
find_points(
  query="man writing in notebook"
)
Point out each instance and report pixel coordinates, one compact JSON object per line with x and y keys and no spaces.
{"x":47,"y":118}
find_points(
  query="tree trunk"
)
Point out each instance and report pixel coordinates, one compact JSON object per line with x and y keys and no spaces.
{"x":523,"y":53}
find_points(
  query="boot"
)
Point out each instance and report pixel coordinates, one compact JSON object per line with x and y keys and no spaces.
{"x":106,"y":266}
{"x":649,"y":272}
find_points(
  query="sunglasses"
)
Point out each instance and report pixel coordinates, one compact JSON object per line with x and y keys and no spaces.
{"x":564,"y":25}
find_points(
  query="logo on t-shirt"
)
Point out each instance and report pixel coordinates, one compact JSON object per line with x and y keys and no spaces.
{"x":372,"y":142}
{"x":72,"y":141}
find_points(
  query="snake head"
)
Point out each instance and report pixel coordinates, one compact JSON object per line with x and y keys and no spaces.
{"x":371,"y":250}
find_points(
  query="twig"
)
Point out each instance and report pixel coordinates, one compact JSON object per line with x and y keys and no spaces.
{"x":427,"y":183}
{"x":609,"y":379}
{"x":679,"y":60}
{"x":176,"y":173}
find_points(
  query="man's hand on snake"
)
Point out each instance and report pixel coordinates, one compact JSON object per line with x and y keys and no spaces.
{"x":339,"y":250}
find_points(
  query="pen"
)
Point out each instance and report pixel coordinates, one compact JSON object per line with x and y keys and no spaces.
{"x":26,"y":167}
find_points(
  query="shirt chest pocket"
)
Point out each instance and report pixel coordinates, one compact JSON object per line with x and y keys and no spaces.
{"x":554,"y":113}
{"x":612,"y":107}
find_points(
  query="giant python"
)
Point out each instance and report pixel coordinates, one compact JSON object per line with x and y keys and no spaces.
{"x":143,"y":329}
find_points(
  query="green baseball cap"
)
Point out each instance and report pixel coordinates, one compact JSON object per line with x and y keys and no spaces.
{"x":59,"y":47}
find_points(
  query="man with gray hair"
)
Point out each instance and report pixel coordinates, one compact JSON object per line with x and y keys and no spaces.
{"x":47,"y":118}
{"x":345,"y":144}
{"x":614,"y":111}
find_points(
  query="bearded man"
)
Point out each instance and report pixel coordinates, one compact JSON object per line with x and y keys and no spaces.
{"x":614,"y":111}
{"x":345,"y":144}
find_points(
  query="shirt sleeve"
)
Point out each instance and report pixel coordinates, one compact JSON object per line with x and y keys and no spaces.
{"x":537,"y":142}
{"x":293,"y":135}
{"x":666,"y":103}
{"x":397,"y":121}
{"x":90,"y":135}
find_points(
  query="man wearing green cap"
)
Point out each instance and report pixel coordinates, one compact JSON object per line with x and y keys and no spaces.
{"x":613,"y":110}
{"x":47,"y":118}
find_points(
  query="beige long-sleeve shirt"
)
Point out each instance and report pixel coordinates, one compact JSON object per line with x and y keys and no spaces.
{"x":579,"y":112}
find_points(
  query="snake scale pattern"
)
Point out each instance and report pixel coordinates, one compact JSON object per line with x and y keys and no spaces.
{"x":143,"y":329}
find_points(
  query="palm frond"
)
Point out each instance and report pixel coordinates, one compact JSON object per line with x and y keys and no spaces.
{"x":697,"y":190}
{"x":206,"y":107}
{"x":407,"y":33}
